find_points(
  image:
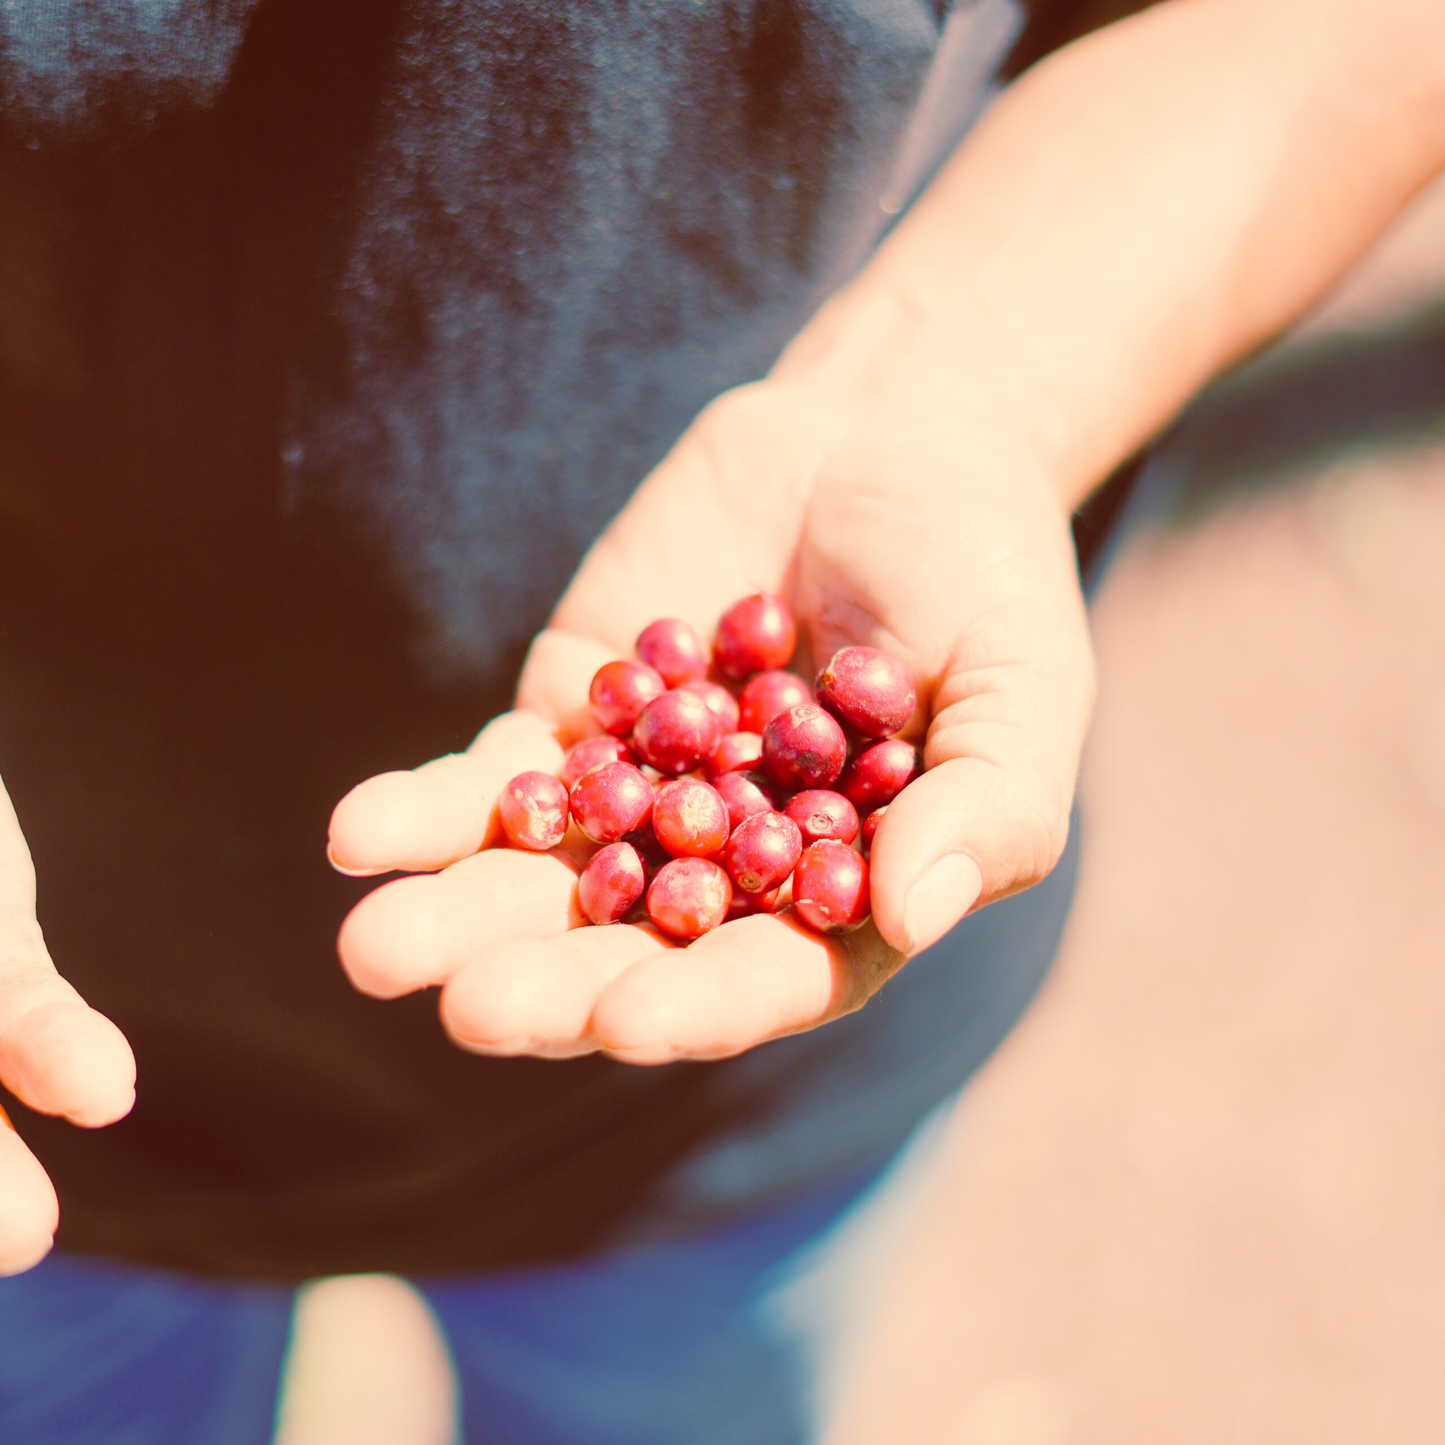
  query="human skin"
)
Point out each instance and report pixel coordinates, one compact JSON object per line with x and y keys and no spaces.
{"x":1136,"y":212}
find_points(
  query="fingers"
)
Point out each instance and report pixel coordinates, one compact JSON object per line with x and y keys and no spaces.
{"x":59,"y":1056}
{"x":445,"y":809}
{"x":536,"y":996}
{"x":990,"y":816}
{"x":56,"y":1055}
{"x":647,"y":1001}
{"x":964,"y":567}
{"x":414,"y":932}
{"x":749,"y":981}
{"x":29,"y":1213}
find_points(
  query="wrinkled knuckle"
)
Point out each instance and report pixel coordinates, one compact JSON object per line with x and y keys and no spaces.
{"x":739,"y":405}
{"x":1042,"y":832}
{"x":759,"y":409}
{"x":872,"y":962}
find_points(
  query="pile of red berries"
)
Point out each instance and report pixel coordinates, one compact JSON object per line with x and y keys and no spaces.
{"x":708,"y":803}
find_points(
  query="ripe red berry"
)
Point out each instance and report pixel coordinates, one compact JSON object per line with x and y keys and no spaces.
{"x":688,"y":897}
{"x":754,"y":635}
{"x":822,"y":813}
{"x":735,"y":752}
{"x":878,"y":774}
{"x":652,"y":853}
{"x":611,"y":883}
{"x":534,"y":811}
{"x":870,"y":827}
{"x":690,"y":819}
{"x":619,"y":692}
{"x":867,"y":689}
{"x":676,"y":732}
{"x":744,"y":905}
{"x":804,"y":748}
{"x":768,"y":694}
{"x":762,"y":851}
{"x":830,"y":887}
{"x":719,"y":699}
{"x":611,"y":800}
{"x":674,"y":649}
{"x":592,"y":753}
{"x":745,"y":794}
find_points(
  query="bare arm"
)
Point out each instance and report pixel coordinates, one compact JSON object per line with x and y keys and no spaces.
{"x":1137,"y":212}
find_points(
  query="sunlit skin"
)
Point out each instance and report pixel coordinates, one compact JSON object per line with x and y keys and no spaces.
{"x":1138,"y":211}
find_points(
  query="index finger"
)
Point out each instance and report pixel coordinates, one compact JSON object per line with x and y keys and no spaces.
{"x":751,"y":980}
{"x":443,"y":811}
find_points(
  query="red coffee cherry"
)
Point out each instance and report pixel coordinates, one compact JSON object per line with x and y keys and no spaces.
{"x":690,"y":819}
{"x":821,"y":813}
{"x":619,"y":692}
{"x":534,"y":811}
{"x":754,"y":635}
{"x":768,"y":694}
{"x":830,"y":887}
{"x":867,"y":689}
{"x":688,"y":897}
{"x":611,"y":800}
{"x":592,"y":753}
{"x":878,"y":774}
{"x":734,"y":753}
{"x":745,"y":795}
{"x":611,"y":883}
{"x":762,"y":851}
{"x":652,"y":853}
{"x":744,"y":905}
{"x":804,"y":748}
{"x":676,"y":732}
{"x":674,"y":649}
{"x":870,"y":827}
{"x":719,"y":699}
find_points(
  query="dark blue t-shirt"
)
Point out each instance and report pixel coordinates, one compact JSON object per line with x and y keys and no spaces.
{"x":331,"y":334}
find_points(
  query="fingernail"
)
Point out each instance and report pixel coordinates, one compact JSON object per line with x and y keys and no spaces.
{"x":351,"y":872}
{"x":939,"y":899}
{"x":20,"y":1266}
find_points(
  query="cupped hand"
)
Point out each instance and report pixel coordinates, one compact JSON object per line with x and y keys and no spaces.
{"x":876,"y":529}
{"x":56,"y":1055}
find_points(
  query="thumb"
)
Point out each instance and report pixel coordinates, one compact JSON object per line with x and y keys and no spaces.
{"x":990,"y":815}
{"x":29,"y":1211}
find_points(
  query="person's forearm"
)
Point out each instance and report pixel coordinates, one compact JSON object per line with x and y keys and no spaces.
{"x":1137,"y":212}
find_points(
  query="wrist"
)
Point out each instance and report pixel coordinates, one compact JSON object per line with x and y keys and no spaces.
{"x":889,"y":374}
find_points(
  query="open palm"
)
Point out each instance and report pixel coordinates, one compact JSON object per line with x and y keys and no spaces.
{"x":874,"y":532}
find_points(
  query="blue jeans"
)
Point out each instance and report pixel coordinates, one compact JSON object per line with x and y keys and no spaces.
{"x":740,"y":1336}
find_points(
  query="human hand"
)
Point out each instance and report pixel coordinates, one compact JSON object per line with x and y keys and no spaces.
{"x":56,"y":1054}
{"x":876,"y":530}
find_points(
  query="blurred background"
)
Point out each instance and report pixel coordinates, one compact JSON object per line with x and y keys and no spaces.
{"x":1199,"y":1195}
